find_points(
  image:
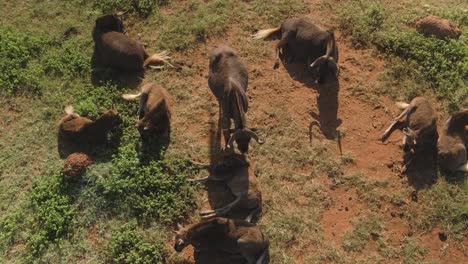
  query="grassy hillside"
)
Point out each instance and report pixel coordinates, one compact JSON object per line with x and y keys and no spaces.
{"x":125,"y":206}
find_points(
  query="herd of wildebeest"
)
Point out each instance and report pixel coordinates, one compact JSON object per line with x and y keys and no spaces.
{"x":300,"y":41}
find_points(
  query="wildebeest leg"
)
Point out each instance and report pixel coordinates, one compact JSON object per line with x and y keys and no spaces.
{"x":282,"y":45}
{"x":221,"y":211}
{"x":225,"y":123}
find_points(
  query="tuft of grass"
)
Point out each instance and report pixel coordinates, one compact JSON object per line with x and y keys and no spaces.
{"x":364,"y":228}
{"x":129,"y":246}
{"x":185,"y":28}
{"x":275,"y":11}
{"x":143,"y":7}
{"x":442,"y":204}
{"x":9,"y":226}
{"x":412,"y":252}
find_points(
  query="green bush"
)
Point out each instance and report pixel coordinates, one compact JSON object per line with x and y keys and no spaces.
{"x":51,"y":211}
{"x":149,"y":188}
{"x":18,"y":72}
{"x":128,"y":246}
{"x":66,"y":61}
{"x":8,"y":228}
{"x":92,"y":100}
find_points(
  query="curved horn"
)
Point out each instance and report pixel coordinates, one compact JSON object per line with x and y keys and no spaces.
{"x":253,"y":135}
{"x":234,"y":136}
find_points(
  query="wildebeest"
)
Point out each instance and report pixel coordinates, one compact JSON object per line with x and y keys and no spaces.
{"x":453,"y":143}
{"x":418,"y":123}
{"x":304,"y":41}
{"x":229,"y":235}
{"x":228,"y":80}
{"x":116,"y":50}
{"x":84,"y":133}
{"x":154,"y":111}
{"x":239,"y":176}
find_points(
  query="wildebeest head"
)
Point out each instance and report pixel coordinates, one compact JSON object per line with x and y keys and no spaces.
{"x":111,"y":118}
{"x":242,"y":137}
{"x":217,"y":54}
{"x":325,"y":64}
{"x":107,"y":23}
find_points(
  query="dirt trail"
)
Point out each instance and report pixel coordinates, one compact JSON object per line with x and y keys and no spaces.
{"x":360,"y":121}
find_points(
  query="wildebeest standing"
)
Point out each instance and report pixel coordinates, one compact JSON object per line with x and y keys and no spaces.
{"x":228,"y":80}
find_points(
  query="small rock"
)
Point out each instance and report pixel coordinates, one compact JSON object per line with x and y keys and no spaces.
{"x":414,"y":196}
{"x":442,"y":236}
{"x":438,"y":27}
{"x":393,"y":214}
{"x":410,"y":233}
{"x":346,"y":209}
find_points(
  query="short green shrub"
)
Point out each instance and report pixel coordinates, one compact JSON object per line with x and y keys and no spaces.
{"x":184,"y":28}
{"x":8,"y":228}
{"x":18,"y":52}
{"x":149,"y":188}
{"x":361,"y":20}
{"x":52,"y":212}
{"x":66,"y":61}
{"x":128,"y":246}
{"x":92,"y":100}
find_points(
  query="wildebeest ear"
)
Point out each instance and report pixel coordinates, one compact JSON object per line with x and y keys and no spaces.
{"x":214,"y":59}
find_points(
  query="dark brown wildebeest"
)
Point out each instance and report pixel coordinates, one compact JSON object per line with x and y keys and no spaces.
{"x":303,"y":41}
{"x":228,"y":235}
{"x":116,"y":50}
{"x":228,"y":80}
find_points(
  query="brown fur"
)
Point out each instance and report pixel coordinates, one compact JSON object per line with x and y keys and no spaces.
{"x":453,"y":142}
{"x":154,"y":112}
{"x":228,"y":80}
{"x":305,"y":42}
{"x":420,"y":121}
{"x":228,"y":235}
{"x":116,"y":50}
{"x":81,"y":131}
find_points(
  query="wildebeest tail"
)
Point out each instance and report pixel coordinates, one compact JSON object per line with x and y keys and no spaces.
{"x":161,"y":58}
{"x":131,"y":96}
{"x":264,"y":33}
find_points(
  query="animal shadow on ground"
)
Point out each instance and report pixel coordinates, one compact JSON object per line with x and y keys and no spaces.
{"x":101,"y":74}
{"x":421,"y":168}
{"x":152,"y":144}
{"x":99,"y":153}
{"x":327,"y":101}
{"x":219,"y":195}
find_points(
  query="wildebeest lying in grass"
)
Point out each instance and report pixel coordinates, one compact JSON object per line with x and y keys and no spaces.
{"x":228,"y":80}
{"x":228,"y":235}
{"x":82,"y":133}
{"x":239,"y":176}
{"x":304,"y":41}
{"x":453,"y":143}
{"x":418,"y":123}
{"x":154,"y":112}
{"x":116,"y":50}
